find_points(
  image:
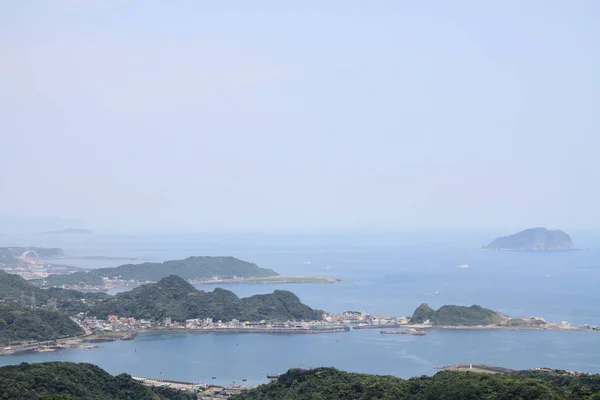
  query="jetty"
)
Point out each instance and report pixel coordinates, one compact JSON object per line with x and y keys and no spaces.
{"x":411,"y":331}
{"x":289,"y":330}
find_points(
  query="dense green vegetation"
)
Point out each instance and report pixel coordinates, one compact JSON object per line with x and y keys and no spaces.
{"x":456,"y":316}
{"x":70,"y":381}
{"x":175,"y":298}
{"x":15,"y":290}
{"x":533,"y":239}
{"x":190,"y":268}
{"x":19,"y":324}
{"x":331,"y":384}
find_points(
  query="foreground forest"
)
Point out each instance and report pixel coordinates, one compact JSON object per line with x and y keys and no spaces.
{"x":331,"y":384}
{"x":70,"y":381}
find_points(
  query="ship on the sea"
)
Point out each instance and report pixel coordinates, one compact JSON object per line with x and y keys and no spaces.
{"x":463,"y":266}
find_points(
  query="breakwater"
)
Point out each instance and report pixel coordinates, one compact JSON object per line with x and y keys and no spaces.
{"x":251,"y":330}
{"x":377,"y":326}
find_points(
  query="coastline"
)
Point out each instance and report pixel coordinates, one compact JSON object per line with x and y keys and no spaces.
{"x":267,"y":280}
{"x":78,"y":342}
{"x":289,"y":331}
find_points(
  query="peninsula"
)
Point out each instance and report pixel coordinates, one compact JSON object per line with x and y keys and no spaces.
{"x":191,"y":268}
{"x":538,"y":239}
{"x":32,"y":316}
{"x":174,"y":298}
{"x":196,"y":270}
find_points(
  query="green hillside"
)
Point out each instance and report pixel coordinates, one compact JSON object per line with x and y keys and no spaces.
{"x":15,"y":290}
{"x":450,"y":315}
{"x":331,"y":384}
{"x":190,"y":268}
{"x":18,"y":324}
{"x":70,"y":381}
{"x":175,"y":298}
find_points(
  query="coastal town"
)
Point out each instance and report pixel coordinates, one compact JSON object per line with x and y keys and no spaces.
{"x":116,"y":327}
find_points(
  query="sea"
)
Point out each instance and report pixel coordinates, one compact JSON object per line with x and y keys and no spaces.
{"x":383,"y":274}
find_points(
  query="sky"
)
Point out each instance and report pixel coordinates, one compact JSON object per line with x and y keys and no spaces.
{"x":266,"y":115}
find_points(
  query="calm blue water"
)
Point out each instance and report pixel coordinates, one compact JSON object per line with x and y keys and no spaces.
{"x":384,"y":274}
{"x":198,"y":357}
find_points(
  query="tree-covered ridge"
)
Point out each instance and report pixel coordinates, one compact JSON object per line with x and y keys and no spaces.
{"x":70,"y":381}
{"x":331,"y":384}
{"x":175,"y":298}
{"x":451,"y":315}
{"x":16,"y":290}
{"x":189,"y":268}
{"x":19,"y":324}
{"x":533,"y":239}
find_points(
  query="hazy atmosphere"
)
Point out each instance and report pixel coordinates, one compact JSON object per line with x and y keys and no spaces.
{"x":193,"y":116}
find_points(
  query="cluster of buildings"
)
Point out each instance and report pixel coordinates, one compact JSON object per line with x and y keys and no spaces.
{"x":362,"y":318}
{"x":559,"y":372}
{"x":115,"y":323}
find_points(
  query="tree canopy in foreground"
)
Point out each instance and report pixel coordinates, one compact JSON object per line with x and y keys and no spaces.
{"x":332,"y":384}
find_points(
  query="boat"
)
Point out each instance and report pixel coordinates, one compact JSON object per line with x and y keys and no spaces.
{"x":44,"y":349}
{"x":307,"y":262}
{"x":436,"y":293}
{"x":244,"y":379}
{"x":463,"y":266}
{"x":214,"y":377}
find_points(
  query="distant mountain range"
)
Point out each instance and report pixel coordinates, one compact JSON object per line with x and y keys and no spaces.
{"x":539,"y":239}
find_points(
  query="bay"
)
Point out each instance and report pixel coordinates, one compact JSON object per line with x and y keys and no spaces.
{"x":381,"y":277}
{"x":198,"y":357}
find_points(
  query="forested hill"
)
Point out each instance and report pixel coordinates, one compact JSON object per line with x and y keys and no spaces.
{"x":189,"y":268}
{"x":175,"y":298}
{"x":70,"y":381}
{"x":16,"y":290}
{"x":19,"y":324}
{"x":451,"y":315}
{"x":331,"y":384}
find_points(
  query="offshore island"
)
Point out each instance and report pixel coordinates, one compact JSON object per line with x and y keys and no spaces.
{"x":534,"y":239}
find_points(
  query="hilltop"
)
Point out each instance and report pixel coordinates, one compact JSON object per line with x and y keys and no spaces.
{"x":533,"y":239}
{"x":19,"y":324}
{"x":190,"y":268}
{"x":175,"y":298}
{"x":332,"y":384}
{"x":70,"y":381}
{"x":450,"y":315}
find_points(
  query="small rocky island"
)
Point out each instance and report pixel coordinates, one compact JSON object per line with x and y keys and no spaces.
{"x":538,"y":239}
{"x":451,"y":315}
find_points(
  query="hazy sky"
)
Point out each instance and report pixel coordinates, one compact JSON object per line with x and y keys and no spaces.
{"x":292,"y":115}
